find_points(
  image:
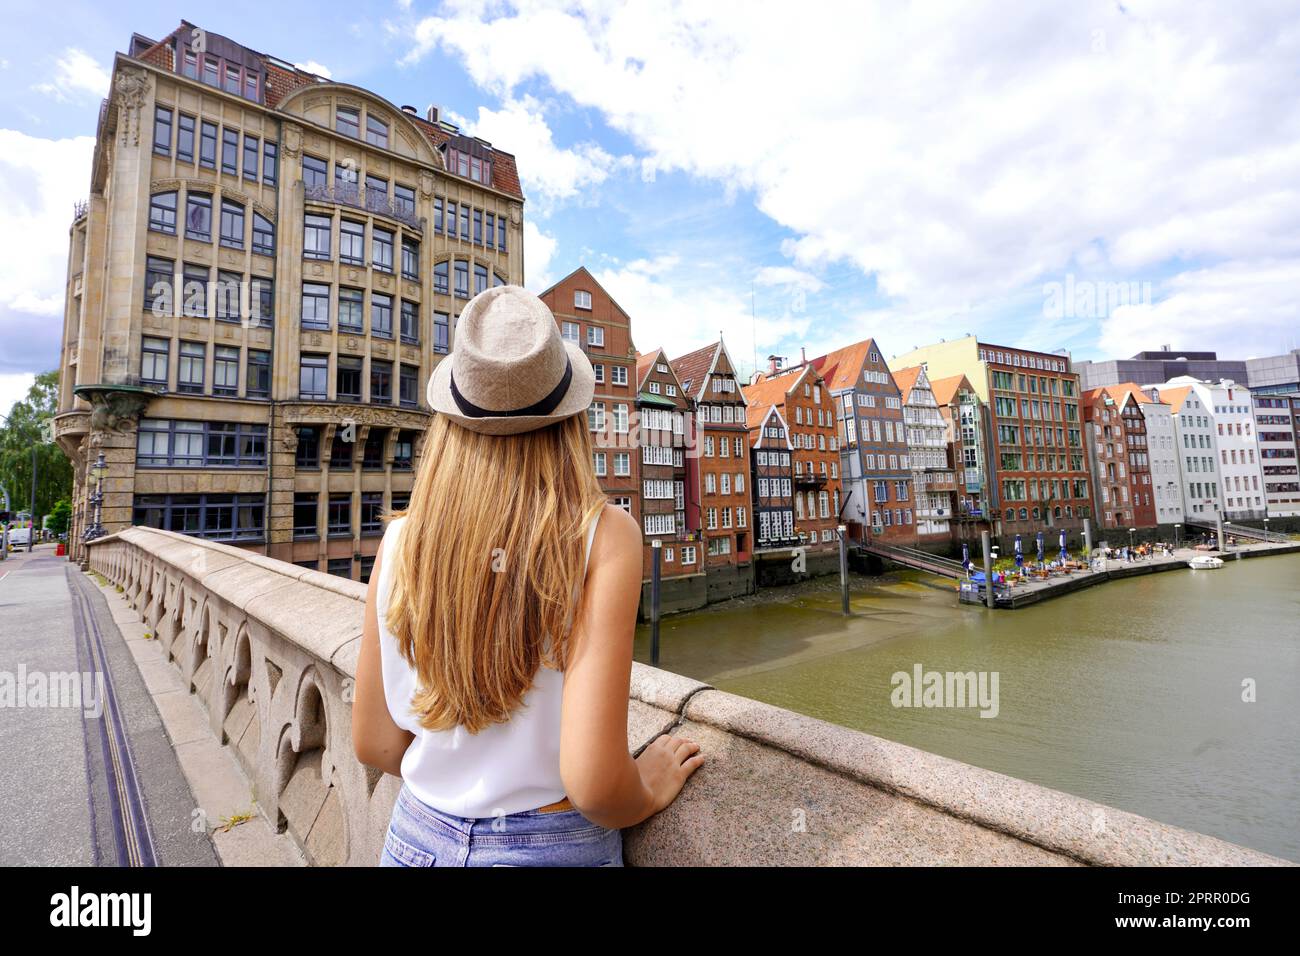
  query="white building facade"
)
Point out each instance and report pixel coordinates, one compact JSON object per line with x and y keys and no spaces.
{"x":1162,"y":446}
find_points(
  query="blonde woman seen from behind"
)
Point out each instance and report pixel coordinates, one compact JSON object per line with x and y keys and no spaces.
{"x":496,"y":655}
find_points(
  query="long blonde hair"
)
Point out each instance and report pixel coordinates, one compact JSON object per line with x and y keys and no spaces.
{"x":490,"y":565}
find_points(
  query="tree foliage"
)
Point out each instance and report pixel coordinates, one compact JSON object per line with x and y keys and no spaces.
{"x":24,"y":429}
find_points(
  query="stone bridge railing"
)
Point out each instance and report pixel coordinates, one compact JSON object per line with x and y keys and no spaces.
{"x":270,"y":649}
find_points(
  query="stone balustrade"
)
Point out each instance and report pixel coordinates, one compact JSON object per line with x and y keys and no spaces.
{"x":270,"y":649}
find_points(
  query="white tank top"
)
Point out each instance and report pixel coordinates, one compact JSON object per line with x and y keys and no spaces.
{"x":504,"y":768}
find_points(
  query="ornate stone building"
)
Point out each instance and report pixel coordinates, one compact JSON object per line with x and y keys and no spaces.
{"x":266,"y":272}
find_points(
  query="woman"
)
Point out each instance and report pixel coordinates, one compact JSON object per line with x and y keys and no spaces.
{"x":497,"y":650}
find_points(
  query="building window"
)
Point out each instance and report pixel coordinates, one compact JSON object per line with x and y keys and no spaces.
{"x":227,"y":295}
{"x":340,"y":452}
{"x":263,"y":235}
{"x":262,"y":301}
{"x":464,"y":222}
{"x":351,"y":318}
{"x":313,"y":376}
{"x":582,"y":300}
{"x":316,"y":236}
{"x":194,"y":279}
{"x":410,"y":321}
{"x":478,"y":227}
{"x":377,"y":194}
{"x":315,"y":306}
{"x":230,"y":152}
{"x":381,"y":315}
{"x":404,"y":200}
{"x":381,"y":246}
{"x":189,"y":368}
{"x":462,"y":279}
{"x":307,"y":454}
{"x":410,"y":259}
{"x":376,"y":132}
{"x":352,"y":242}
{"x":403,"y":457}
{"x":159,"y":284}
{"x":162,"y":131}
{"x":339,"y":567}
{"x":305,"y":515}
{"x":340,"y":517}
{"x":198,"y":217}
{"x":225,"y":370}
{"x":153,"y":360}
{"x":372,"y":510}
{"x":348,"y":122}
{"x":270,"y":161}
{"x":163,"y":443}
{"x":408,"y":386}
{"x":440,"y":273}
{"x":259,"y":374}
{"x":185,"y":138}
{"x":381,"y":382}
{"x":250,"y":157}
{"x":208,"y":145}
{"x":347,"y":378}
{"x":570,"y":331}
{"x":232,"y":224}
{"x":441,"y":331}
{"x":480,"y":279}
{"x":595,"y":336}
{"x":501,"y":233}
{"x":219,"y":517}
{"x":620,"y":376}
{"x":314,"y":174}
{"x":372,"y":456}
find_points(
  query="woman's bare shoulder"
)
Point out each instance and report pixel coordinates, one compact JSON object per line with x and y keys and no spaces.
{"x":618,"y":534}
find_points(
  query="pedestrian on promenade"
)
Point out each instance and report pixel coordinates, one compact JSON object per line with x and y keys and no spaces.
{"x":496,"y":656}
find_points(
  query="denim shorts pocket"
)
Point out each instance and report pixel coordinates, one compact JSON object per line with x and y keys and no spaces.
{"x":397,"y":852}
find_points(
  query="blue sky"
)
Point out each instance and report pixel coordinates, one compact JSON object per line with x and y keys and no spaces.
{"x":794,"y":180}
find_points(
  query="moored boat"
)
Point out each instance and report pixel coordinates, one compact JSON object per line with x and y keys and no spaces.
{"x":1205,"y":562}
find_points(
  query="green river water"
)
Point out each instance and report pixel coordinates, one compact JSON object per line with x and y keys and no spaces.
{"x":1128,"y":693}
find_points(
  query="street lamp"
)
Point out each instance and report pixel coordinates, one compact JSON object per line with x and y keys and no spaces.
{"x":98,"y":471}
{"x":1131,"y":532}
{"x":1177,"y":528}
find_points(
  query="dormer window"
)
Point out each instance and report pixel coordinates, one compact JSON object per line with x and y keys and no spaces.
{"x":582,"y":300}
{"x":469,"y":167}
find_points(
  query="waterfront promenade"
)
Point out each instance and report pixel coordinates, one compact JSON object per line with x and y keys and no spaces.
{"x":263,"y":654}
{"x":1034,"y":591}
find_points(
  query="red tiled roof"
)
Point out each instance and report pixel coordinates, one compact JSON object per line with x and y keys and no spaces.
{"x":755,"y":414}
{"x":842,"y":368}
{"x":945,"y":389}
{"x":905,"y":379}
{"x":693,"y":367}
{"x":1175,"y":397}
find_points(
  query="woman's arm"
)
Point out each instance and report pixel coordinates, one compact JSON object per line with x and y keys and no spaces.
{"x":378,"y":741}
{"x":600,"y":776}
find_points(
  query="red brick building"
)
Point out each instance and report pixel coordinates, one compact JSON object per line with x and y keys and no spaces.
{"x":720,"y":461}
{"x":1121,"y":462}
{"x":772,"y":463}
{"x":588,"y":316}
{"x":662,"y":418}
{"x":809,"y":414}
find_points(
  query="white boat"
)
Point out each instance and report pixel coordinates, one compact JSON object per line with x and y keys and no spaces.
{"x":1205,"y":562}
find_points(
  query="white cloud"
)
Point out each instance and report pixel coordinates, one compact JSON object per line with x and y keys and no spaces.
{"x":548,"y":171}
{"x":40,"y":180}
{"x":539,"y":250}
{"x":76,"y":75}
{"x":320,"y":69}
{"x":789,"y":277}
{"x":957,"y":152}
{"x":14,"y":388}
{"x":1240,"y":309}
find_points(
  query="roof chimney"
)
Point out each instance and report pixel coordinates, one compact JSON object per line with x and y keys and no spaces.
{"x":774,"y":363}
{"x":410,"y":109}
{"x":431,"y":114}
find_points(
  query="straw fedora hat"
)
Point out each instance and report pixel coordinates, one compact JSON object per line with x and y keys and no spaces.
{"x":510,"y":371}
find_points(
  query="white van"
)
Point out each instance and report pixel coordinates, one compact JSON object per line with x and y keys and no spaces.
{"x":19,"y":536}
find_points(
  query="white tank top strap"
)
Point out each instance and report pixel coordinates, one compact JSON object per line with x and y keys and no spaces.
{"x":591,"y":537}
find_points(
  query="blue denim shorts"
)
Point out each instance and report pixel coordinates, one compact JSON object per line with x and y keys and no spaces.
{"x":419,"y":835}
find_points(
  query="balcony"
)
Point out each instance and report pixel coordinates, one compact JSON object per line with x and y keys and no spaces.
{"x":358,"y":197}
{"x":810,"y":480}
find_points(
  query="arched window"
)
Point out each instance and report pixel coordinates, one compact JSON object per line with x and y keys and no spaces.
{"x":162,"y":213}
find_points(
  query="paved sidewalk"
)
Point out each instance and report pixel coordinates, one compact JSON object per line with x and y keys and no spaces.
{"x":90,"y":775}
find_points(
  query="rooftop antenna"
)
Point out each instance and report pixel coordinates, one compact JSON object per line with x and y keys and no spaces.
{"x":753,"y":326}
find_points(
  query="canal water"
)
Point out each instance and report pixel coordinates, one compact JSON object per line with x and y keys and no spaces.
{"x":1129,"y":693}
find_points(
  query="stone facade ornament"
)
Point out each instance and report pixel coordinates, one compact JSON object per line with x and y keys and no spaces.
{"x":292,"y":140}
{"x":114,"y":411}
{"x":131,"y":88}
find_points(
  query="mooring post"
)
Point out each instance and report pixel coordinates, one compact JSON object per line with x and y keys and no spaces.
{"x":844,"y":568}
{"x":988,"y":569}
{"x":656,"y":547}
